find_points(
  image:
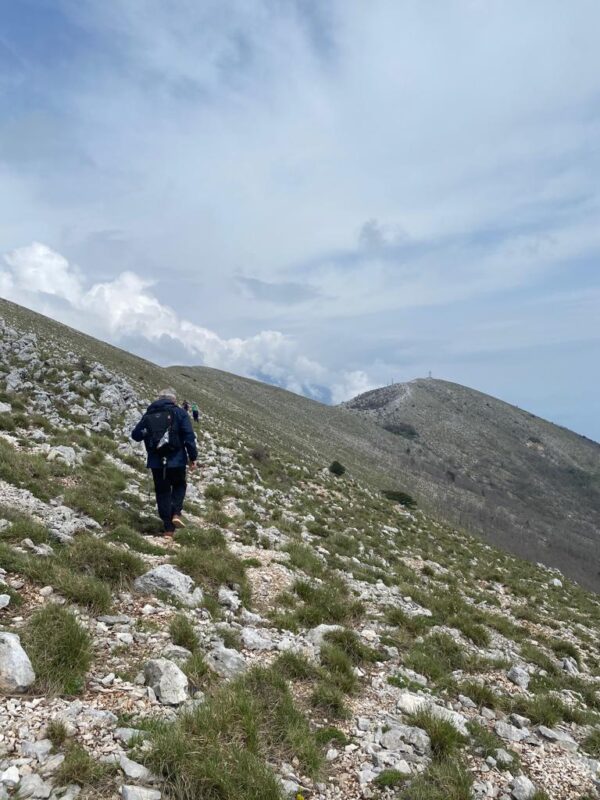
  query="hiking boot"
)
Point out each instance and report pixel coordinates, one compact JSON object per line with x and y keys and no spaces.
{"x":177,"y":521}
{"x":169,"y":534}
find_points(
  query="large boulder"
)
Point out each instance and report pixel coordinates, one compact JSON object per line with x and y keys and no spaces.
{"x":165,"y":578}
{"x":63,"y":453}
{"x":16,"y":672}
{"x":226,"y":662}
{"x":519,"y":676}
{"x":167,"y":681}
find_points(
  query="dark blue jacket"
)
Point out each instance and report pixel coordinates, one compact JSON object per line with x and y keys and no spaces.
{"x":186,"y":435}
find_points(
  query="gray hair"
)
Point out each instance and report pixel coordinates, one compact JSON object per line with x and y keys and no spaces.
{"x":169,"y":393}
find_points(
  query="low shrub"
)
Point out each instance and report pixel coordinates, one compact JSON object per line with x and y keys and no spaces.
{"x":336,"y":468}
{"x":399,"y":497}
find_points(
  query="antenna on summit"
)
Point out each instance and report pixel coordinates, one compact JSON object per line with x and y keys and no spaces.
{"x":429,"y":376}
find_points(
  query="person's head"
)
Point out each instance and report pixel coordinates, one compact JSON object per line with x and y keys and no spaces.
{"x":168,"y":394}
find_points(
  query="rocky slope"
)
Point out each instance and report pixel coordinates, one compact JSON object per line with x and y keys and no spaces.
{"x":302,"y":637}
{"x":521,"y":482}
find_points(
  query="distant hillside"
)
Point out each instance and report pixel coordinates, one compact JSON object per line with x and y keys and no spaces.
{"x":519,"y":481}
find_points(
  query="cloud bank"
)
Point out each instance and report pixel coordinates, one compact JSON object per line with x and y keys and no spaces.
{"x":42,"y":279}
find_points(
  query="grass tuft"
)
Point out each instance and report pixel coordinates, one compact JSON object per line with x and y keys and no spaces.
{"x":220,"y":749}
{"x":60,"y":650}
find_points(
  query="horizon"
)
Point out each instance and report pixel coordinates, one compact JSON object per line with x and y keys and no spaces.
{"x":315,"y":195}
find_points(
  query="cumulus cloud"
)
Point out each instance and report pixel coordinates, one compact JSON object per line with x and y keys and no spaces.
{"x":126,"y":307}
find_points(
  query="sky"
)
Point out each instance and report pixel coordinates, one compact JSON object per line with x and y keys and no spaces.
{"x":329,"y":195}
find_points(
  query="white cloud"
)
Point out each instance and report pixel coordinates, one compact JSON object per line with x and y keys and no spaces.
{"x":35,"y":275}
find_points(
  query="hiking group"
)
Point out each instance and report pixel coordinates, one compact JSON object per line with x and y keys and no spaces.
{"x":168,"y":435}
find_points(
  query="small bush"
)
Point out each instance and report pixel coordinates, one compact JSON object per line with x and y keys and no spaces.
{"x":260,"y":454}
{"x":404,"y":429}
{"x":60,"y":649}
{"x":182,"y":632}
{"x":400,"y":497}
{"x":336,"y":468}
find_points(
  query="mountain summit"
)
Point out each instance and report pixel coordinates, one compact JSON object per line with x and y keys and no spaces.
{"x":523,"y":483}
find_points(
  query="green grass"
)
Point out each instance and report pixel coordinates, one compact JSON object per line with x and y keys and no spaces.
{"x":390,"y":778}
{"x":329,"y":698}
{"x":591,"y":743}
{"x":212,"y":568}
{"x":304,"y":558}
{"x":87,"y":591}
{"x":442,"y":780}
{"x":445,"y":739}
{"x":56,"y":731}
{"x":22,"y":527}
{"x":437,"y":656}
{"x":331,"y":735}
{"x":329,"y":602}
{"x":204,"y":538}
{"x":480,"y":693}
{"x":60,"y":650}
{"x":110,"y":564}
{"x":295,"y":666}
{"x":198,"y":672}
{"x":483,"y":741}
{"x":126,"y":535}
{"x":339,"y":668}
{"x":182,"y":632}
{"x":219,"y":751}
{"x":349,"y":643}
{"x":81,"y":768}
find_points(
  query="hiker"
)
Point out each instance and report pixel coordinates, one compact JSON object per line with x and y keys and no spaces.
{"x":170,"y":442}
{"x":186,"y":406}
{"x":195,"y":412}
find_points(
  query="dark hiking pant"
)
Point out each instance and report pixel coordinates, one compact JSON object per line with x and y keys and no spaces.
{"x":196,"y":415}
{"x":170,"y":486}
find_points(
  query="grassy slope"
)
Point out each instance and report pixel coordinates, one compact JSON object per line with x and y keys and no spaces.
{"x":354,"y":541}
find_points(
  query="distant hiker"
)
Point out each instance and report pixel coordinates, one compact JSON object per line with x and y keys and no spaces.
{"x":186,"y":406}
{"x":195,"y":412}
{"x":170,"y":442}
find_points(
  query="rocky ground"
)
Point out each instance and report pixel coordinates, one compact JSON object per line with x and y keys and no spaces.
{"x":301,"y":637}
